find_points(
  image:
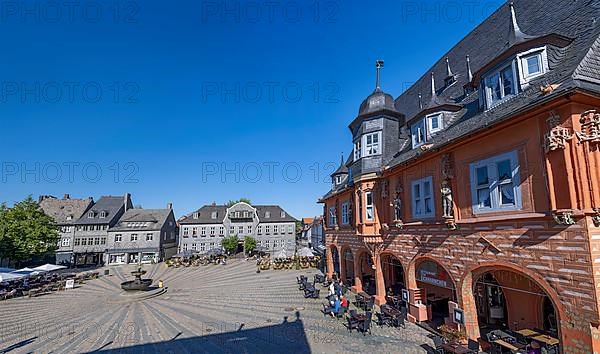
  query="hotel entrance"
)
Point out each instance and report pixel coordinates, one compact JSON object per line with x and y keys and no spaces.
{"x":439,"y":290}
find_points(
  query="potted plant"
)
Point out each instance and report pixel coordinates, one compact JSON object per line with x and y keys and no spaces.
{"x":453,"y":335}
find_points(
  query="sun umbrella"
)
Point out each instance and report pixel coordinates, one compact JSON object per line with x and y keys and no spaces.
{"x":26,"y":271}
{"x":305,"y":252}
{"x":49,"y":268}
{"x":8,"y":277}
{"x":282,"y":254}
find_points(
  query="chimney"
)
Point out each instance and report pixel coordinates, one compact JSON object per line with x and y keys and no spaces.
{"x":214,"y":203}
{"x":67,"y":196}
{"x":170,"y":206}
{"x":127,"y":201}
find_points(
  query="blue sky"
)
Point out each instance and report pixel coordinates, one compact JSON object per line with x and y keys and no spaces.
{"x":192,"y":102}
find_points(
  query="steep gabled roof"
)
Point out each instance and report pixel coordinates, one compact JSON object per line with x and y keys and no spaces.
{"x":153,"y":219}
{"x":205,"y":215}
{"x":109,"y":205}
{"x":65,"y":211}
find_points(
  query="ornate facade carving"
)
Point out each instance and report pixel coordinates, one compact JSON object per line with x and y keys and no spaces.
{"x":446,"y":192}
{"x":564,"y":217}
{"x":596,"y":218}
{"x":397,"y":205}
{"x":384,"y":189}
{"x":590,"y":126}
{"x":558,"y":136}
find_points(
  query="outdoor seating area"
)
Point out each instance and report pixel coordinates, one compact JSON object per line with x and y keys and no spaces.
{"x":283,"y":263}
{"x":33,"y":282}
{"x":191,"y":259}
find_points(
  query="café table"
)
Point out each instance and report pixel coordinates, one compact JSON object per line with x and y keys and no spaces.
{"x":359,"y":317}
{"x":509,"y":346}
{"x":455,"y":348}
{"x":528,"y":332}
{"x":546,"y":339}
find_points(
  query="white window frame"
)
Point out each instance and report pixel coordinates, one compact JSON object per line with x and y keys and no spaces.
{"x":259,"y":230}
{"x":221,"y":230}
{"x":133,"y":237}
{"x":275,"y":229}
{"x":332,"y":217}
{"x":66,"y":242}
{"x":358,"y":149}
{"x":373,"y":146}
{"x":118,"y":237}
{"x":440,"y":119}
{"x":494,"y":184}
{"x":524,"y":76}
{"x":369,"y":207}
{"x":213,"y":229}
{"x":149,"y":237}
{"x":345,"y":213}
{"x":203,"y":231}
{"x":488,"y":89}
{"x":414,"y":133}
{"x":422,"y":197}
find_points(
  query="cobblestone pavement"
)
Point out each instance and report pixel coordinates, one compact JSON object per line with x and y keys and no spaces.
{"x":211,"y":309}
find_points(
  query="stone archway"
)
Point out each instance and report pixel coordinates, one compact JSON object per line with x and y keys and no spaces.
{"x":348,"y":266}
{"x":394,"y":274}
{"x":364,"y":272}
{"x":522,"y":291}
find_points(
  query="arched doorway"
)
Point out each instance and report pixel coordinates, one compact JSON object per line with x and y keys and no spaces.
{"x":367,"y":273}
{"x":336,"y":260}
{"x":438,"y":288}
{"x":348,"y":265}
{"x":509,"y":300}
{"x":393,"y":274}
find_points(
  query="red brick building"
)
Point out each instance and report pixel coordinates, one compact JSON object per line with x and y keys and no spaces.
{"x":478,"y":188}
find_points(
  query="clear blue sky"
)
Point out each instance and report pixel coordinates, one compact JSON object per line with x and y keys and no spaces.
{"x":148,"y":89}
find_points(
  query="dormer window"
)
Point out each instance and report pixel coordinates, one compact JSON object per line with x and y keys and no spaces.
{"x":91,"y":215}
{"x":338,"y":180}
{"x":500,"y":85}
{"x":103,"y":215}
{"x":283,"y":214}
{"x":418,"y":133}
{"x":267,"y":214}
{"x":532,"y":64}
{"x":213,"y":215}
{"x":196,"y":215}
{"x":434,"y":122}
{"x":357,"y":150}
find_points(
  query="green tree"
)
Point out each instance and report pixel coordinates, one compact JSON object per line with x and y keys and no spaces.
{"x":241,"y":200}
{"x":249,"y":244}
{"x":230,"y":244}
{"x":26,"y":232}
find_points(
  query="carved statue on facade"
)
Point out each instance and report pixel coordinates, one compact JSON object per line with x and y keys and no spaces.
{"x":447,"y":203}
{"x":398,"y":203}
{"x":564,"y":217}
{"x":596,"y":218}
{"x":590,"y":126}
{"x":558,"y":136}
{"x":351,"y":212}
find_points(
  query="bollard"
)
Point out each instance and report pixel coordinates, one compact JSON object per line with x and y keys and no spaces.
{"x":161,"y":284}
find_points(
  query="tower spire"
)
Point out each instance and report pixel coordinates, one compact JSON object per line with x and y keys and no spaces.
{"x":448,"y":70}
{"x":515,"y":35}
{"x":378,"y":66}
{"x":469,"y":71}
{"x":342,"y":162}
{"x":433,"y":94}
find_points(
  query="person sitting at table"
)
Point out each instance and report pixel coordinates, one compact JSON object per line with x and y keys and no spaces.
{"x":336,"y":306}
{"x":344,"y":301}
{"x":535,"y":348}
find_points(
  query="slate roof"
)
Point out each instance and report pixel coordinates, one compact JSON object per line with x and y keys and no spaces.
{"x":205,"y":215}
{"x":574,"y":66}
{"x":109,"y":204}
{"x":156,"y":219}
{"x":65,"y":211}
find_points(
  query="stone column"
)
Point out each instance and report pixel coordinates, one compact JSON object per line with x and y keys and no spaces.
{"x":467,"y":301}
{"x":357,"y":276}
{"x":342,"y":267}
{"x":379,"y":280}
{"x":329,"y":256}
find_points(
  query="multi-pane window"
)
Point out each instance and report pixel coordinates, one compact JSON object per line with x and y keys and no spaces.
{"x":345,"y":213}
{"x":203,"y":231}
{"x":357,"y":150}
{"x":186,"y":232}
{"x":422,"y":198}
{"x":267,"y":229}
{"x":231,"y":230}
{"x":500,"y":85}
{"x":418,"y":133}
{"x":103,"y":240}
{"x":118,"y":238}
{"x":249,"y":229}
{"x":290,"y":229}
{"x":221,"y":230}
{"x":259,"y":230}
{"x":533,"y":63}
{"x":495,"y":184}
{"x":434,"y":122}
{"x":212,"y":231}
{"x":134,"y":237}
{"x":369,"y":208}
{"x":240,"y":230}
{"x":372,"y":144}
{"x":275,"y":229}
{"x":194,"y":247}
{"x":149,"y":237}
{"x":77,"y":242}
{"x":332,"y":217}
{"x":66,"y":242}
{"x":194,"y":232}
{"x":202,"y":247}
{"x":90,"y":241}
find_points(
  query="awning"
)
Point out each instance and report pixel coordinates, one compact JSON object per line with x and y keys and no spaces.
{"x":9,"y":276}
{"x":282,"y":254}
{"x":26,"y":272}
{"x":49,"y":268}
{"x":305,"y":252}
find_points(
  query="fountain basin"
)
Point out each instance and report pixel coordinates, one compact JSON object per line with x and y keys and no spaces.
{"x":137,"y":285}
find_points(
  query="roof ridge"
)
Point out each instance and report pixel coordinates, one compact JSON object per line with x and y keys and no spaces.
{"x":593,"y":56}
